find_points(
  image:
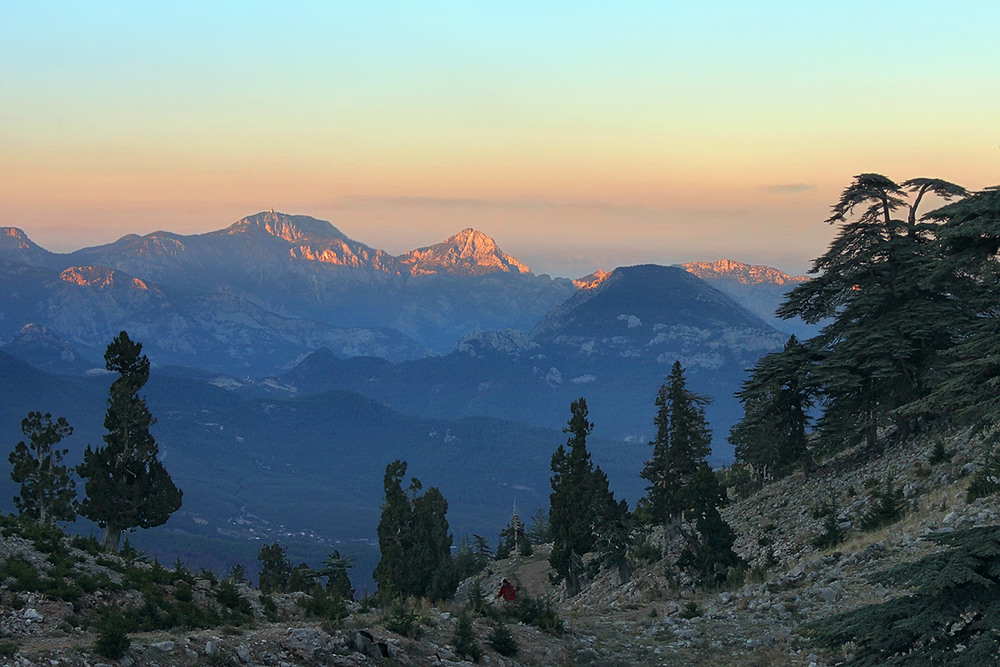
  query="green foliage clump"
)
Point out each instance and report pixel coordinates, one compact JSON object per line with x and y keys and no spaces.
{"x":112,"y":641}
{"x":644,"y":551}
{"x":952,"y":617}
{"x":414,"y":541}
{"x":832,"y":534}
{"x":47,"y":493}
{"x":324,"y":604}
{"x":229,"y":597}
{"x":538,"y":532}
{"x":502,"y":640}
{"x":986,"y":481}
{"x":539,"y":613}
{"x":472,"y":557}
{"x":939,"y":454}
{"x":269,"y":606}
{"x":682,"y":487}
{"x":403,"y":619}
{"x":771,"y":438}
{"x":275,"y":568}
{"x":888,"y":508}
{"x":8,"y":649}
{"x":583,"y":513}
{"x":127,"y":486}
{"x":513,"y":537}
{"x":464,"y":639}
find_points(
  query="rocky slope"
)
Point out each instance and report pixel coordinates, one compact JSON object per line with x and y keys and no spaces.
{"x":652,"y":620}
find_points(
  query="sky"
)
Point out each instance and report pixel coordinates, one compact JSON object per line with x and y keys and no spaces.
{"x":580,"y":135}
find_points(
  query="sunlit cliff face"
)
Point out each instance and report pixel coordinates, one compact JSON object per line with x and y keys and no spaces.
{"x":469,"y":249}
{"x":592,"y":281}
{"x":742,"y":273}
{"x":100,"y":276}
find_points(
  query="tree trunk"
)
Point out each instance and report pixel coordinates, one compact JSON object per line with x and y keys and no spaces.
{"x":573,"y":574}
{"x":112,"y":538}
{"x":624,"y":571}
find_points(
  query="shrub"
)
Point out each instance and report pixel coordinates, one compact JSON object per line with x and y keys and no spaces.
{"x":939,"y":454}
{"x":465,"y":639}
{"x":832,"y":534}
{"x":538,"y":613}
{"x":502,"y":641}
{"x":403,"y":619}
{"x":325,"y":605}
{"x":986,"y":481}
{"x":112,"y":642}
{"x":888,"y":508}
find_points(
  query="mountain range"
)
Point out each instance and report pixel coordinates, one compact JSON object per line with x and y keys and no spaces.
{"x":287,"y":356}
{"x":301,"y":268}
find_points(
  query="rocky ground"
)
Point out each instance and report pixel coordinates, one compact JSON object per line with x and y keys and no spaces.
{"x":651,"y":620}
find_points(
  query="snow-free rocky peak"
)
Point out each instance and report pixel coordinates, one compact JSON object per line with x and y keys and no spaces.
{"x":468,"y":252}
{"x":745,"y":274}
{"x":100,"y":276}
{"x":291,"y":228}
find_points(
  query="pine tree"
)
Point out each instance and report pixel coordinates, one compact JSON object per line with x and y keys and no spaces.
{"x":395,"y":529}
{"x":465,"y":639}
{"x":414,"y":541}
{"x":710,"y":552}
{"x":682,"y":442}
{"x":513,"y":539}
{"x":275,"y":568}
{"x":771,"y":438}
{"x":951,"y":617}
{"x":335,"y":569}
{"x":538,"y":532}
{"x":887,"y":323}
{"x":48,"y":493}
{"x":127,"y":486}
{"x":968,"y":247}
{"x":580,"y":497}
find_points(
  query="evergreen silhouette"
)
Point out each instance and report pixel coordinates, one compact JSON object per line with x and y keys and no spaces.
{"x":682,"y":442}
{"x":127,"y":486}
{"x":48,"y":493}
{"x":771,"y":438}
{"x":969,"y":242}
{"x":888,"y":325}
{"x":580,"y":497}
{"x":414,"y":541}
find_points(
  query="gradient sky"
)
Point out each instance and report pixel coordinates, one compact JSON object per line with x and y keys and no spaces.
{"x":580,"y":135}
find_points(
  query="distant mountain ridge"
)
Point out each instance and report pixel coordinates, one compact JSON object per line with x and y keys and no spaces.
{"x":613,"y":344}
{"x":761,"y":289}
{"x":738,"y":272}
{"x":297,"y":266}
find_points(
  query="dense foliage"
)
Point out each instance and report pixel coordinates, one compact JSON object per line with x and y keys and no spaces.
{"x":414,"y":541}
{"x":127,"y":486}
{"x":952,"y":617}
{"x":909,"y":305}
{"x":48,"y":493}
{"x":581,"y":504}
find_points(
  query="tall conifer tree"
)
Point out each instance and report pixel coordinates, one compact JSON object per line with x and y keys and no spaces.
{"x":771,"y":437}
{"x":414,"y":542}
{"x":887,"y":323}
{"x":682,"y":442}
{"x":579,"y":501}
{"x":127,"y":486}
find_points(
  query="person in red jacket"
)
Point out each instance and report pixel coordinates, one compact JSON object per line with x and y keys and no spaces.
{"x":506,"y":591}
